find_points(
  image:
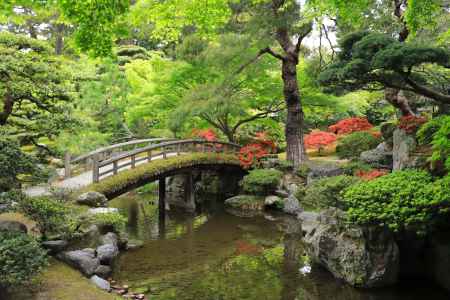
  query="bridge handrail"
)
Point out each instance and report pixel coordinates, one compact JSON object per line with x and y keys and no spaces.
{"x":97,"y":164}
{"x":119,"y":145}
{"x":162,"y":145}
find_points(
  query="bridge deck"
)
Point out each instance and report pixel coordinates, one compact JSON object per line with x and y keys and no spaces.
{"x":79,"y":181}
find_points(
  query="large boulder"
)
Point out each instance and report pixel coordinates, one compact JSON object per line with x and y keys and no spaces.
{"x":55,"y":246}
{"x":107,"y":253}
{"x":438,"y":260}
{"x":291,"y":205}
{"x":363,"y":257}
{"x":380,"y":157}
{"x":320,"y":170}
{"x":13,"y":226}
{"x":245,"y":202}
{"x":83,"y":260}
{"x":92,"y":199}
{"x":109,"y":239}
{"x":103,"y":271}
{"x":404,"y":153}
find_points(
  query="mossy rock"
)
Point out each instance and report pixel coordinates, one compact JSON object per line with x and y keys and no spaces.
{"x":246,"y":202}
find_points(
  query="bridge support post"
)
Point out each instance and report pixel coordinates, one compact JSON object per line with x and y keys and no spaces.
{"x":162,"y":199}
{"x":189,"y":192}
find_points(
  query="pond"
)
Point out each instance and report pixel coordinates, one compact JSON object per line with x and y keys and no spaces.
{"x":215,"y":255}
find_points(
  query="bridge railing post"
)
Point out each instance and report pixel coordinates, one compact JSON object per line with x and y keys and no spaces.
{"x":67,"y":166}
{"x":133,"y":161}
{"x":115,"y":167}
{"x":149,"y":155}
{"x":95,"y":168}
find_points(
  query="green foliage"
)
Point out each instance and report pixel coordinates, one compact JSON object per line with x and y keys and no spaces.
{"x":375,"y":59}
{"x":7,"y":199}
{"x":95,"y":22}
{"x":352,"y":145}
{"x":326,"y":192}
{"x":303,"y":171}
{"x":285,"y":166}
{"x":34,"y":89}
{"x":51,"y":216}
{"x":261,"y":181}
{"x":21,"y":259}
{"x":437,"y":133}
{"x":150,"y":172}
{"x":13,"y":163}
{"x":355,"y":165}
{"x":402,"y":200}
{"x":113,"y":221}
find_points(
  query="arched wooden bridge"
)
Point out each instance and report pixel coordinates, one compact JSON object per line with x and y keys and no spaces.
{"x":119,"y":168}
{"x":109,"y":161}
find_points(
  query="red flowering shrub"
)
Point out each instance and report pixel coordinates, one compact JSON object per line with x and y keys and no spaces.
{"x":411,"y":123}
{"x":319,"y":139}
{"x":251,"y":154}
{"x":350,"y":125}
{"x":206,"y":134}
{"x":376,"y":134}
{"x":371,"y":174}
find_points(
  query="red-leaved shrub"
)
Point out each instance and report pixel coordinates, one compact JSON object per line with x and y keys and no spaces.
{"x":350,"y":125}
{"x":411,"y":123}
{"x":206,"y":134}
{"x":371,"y":174}
{"x":251,"y":154}
{"x":319,"y":139}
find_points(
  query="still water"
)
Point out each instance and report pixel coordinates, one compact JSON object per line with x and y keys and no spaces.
{"x":214,"y":255}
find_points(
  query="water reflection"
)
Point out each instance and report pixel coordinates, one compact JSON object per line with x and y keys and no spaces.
{"x":217,"y":256}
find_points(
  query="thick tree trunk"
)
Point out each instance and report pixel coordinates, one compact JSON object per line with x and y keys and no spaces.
{"x":398,"y":100}
{"x":59,"y":38}
{"x":295,"y":150}
{"x":8,"y":104}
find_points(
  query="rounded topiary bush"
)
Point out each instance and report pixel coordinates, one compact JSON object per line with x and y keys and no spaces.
{"x":21,"y":258}
{"x":402,"y":200}
{"x":261,"y":181}
{"x":326,"y":192}
{"x":353,"y":144}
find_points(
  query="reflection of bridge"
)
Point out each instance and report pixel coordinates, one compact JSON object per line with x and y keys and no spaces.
{"x":164,"y":156}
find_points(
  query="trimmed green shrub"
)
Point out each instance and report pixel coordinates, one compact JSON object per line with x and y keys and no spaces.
{"x":112,"y":221}
{"x":326,"y":192}
{"x":355,"y":165}
{"x":285,"y":166}
{"x":303,"y":171}
{"x":21,"y":258}
{"x":402,"y":200}
{"x":51,"y":216}
{"x":353,"y":144}
{"x":261,"y":181}
{"x":13,"y":162}
{"x":437,"y":133}
{"x":7,"y":199}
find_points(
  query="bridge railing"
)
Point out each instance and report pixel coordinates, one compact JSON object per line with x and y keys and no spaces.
{"x":159,"y":151}
{"x":106,"y":153}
